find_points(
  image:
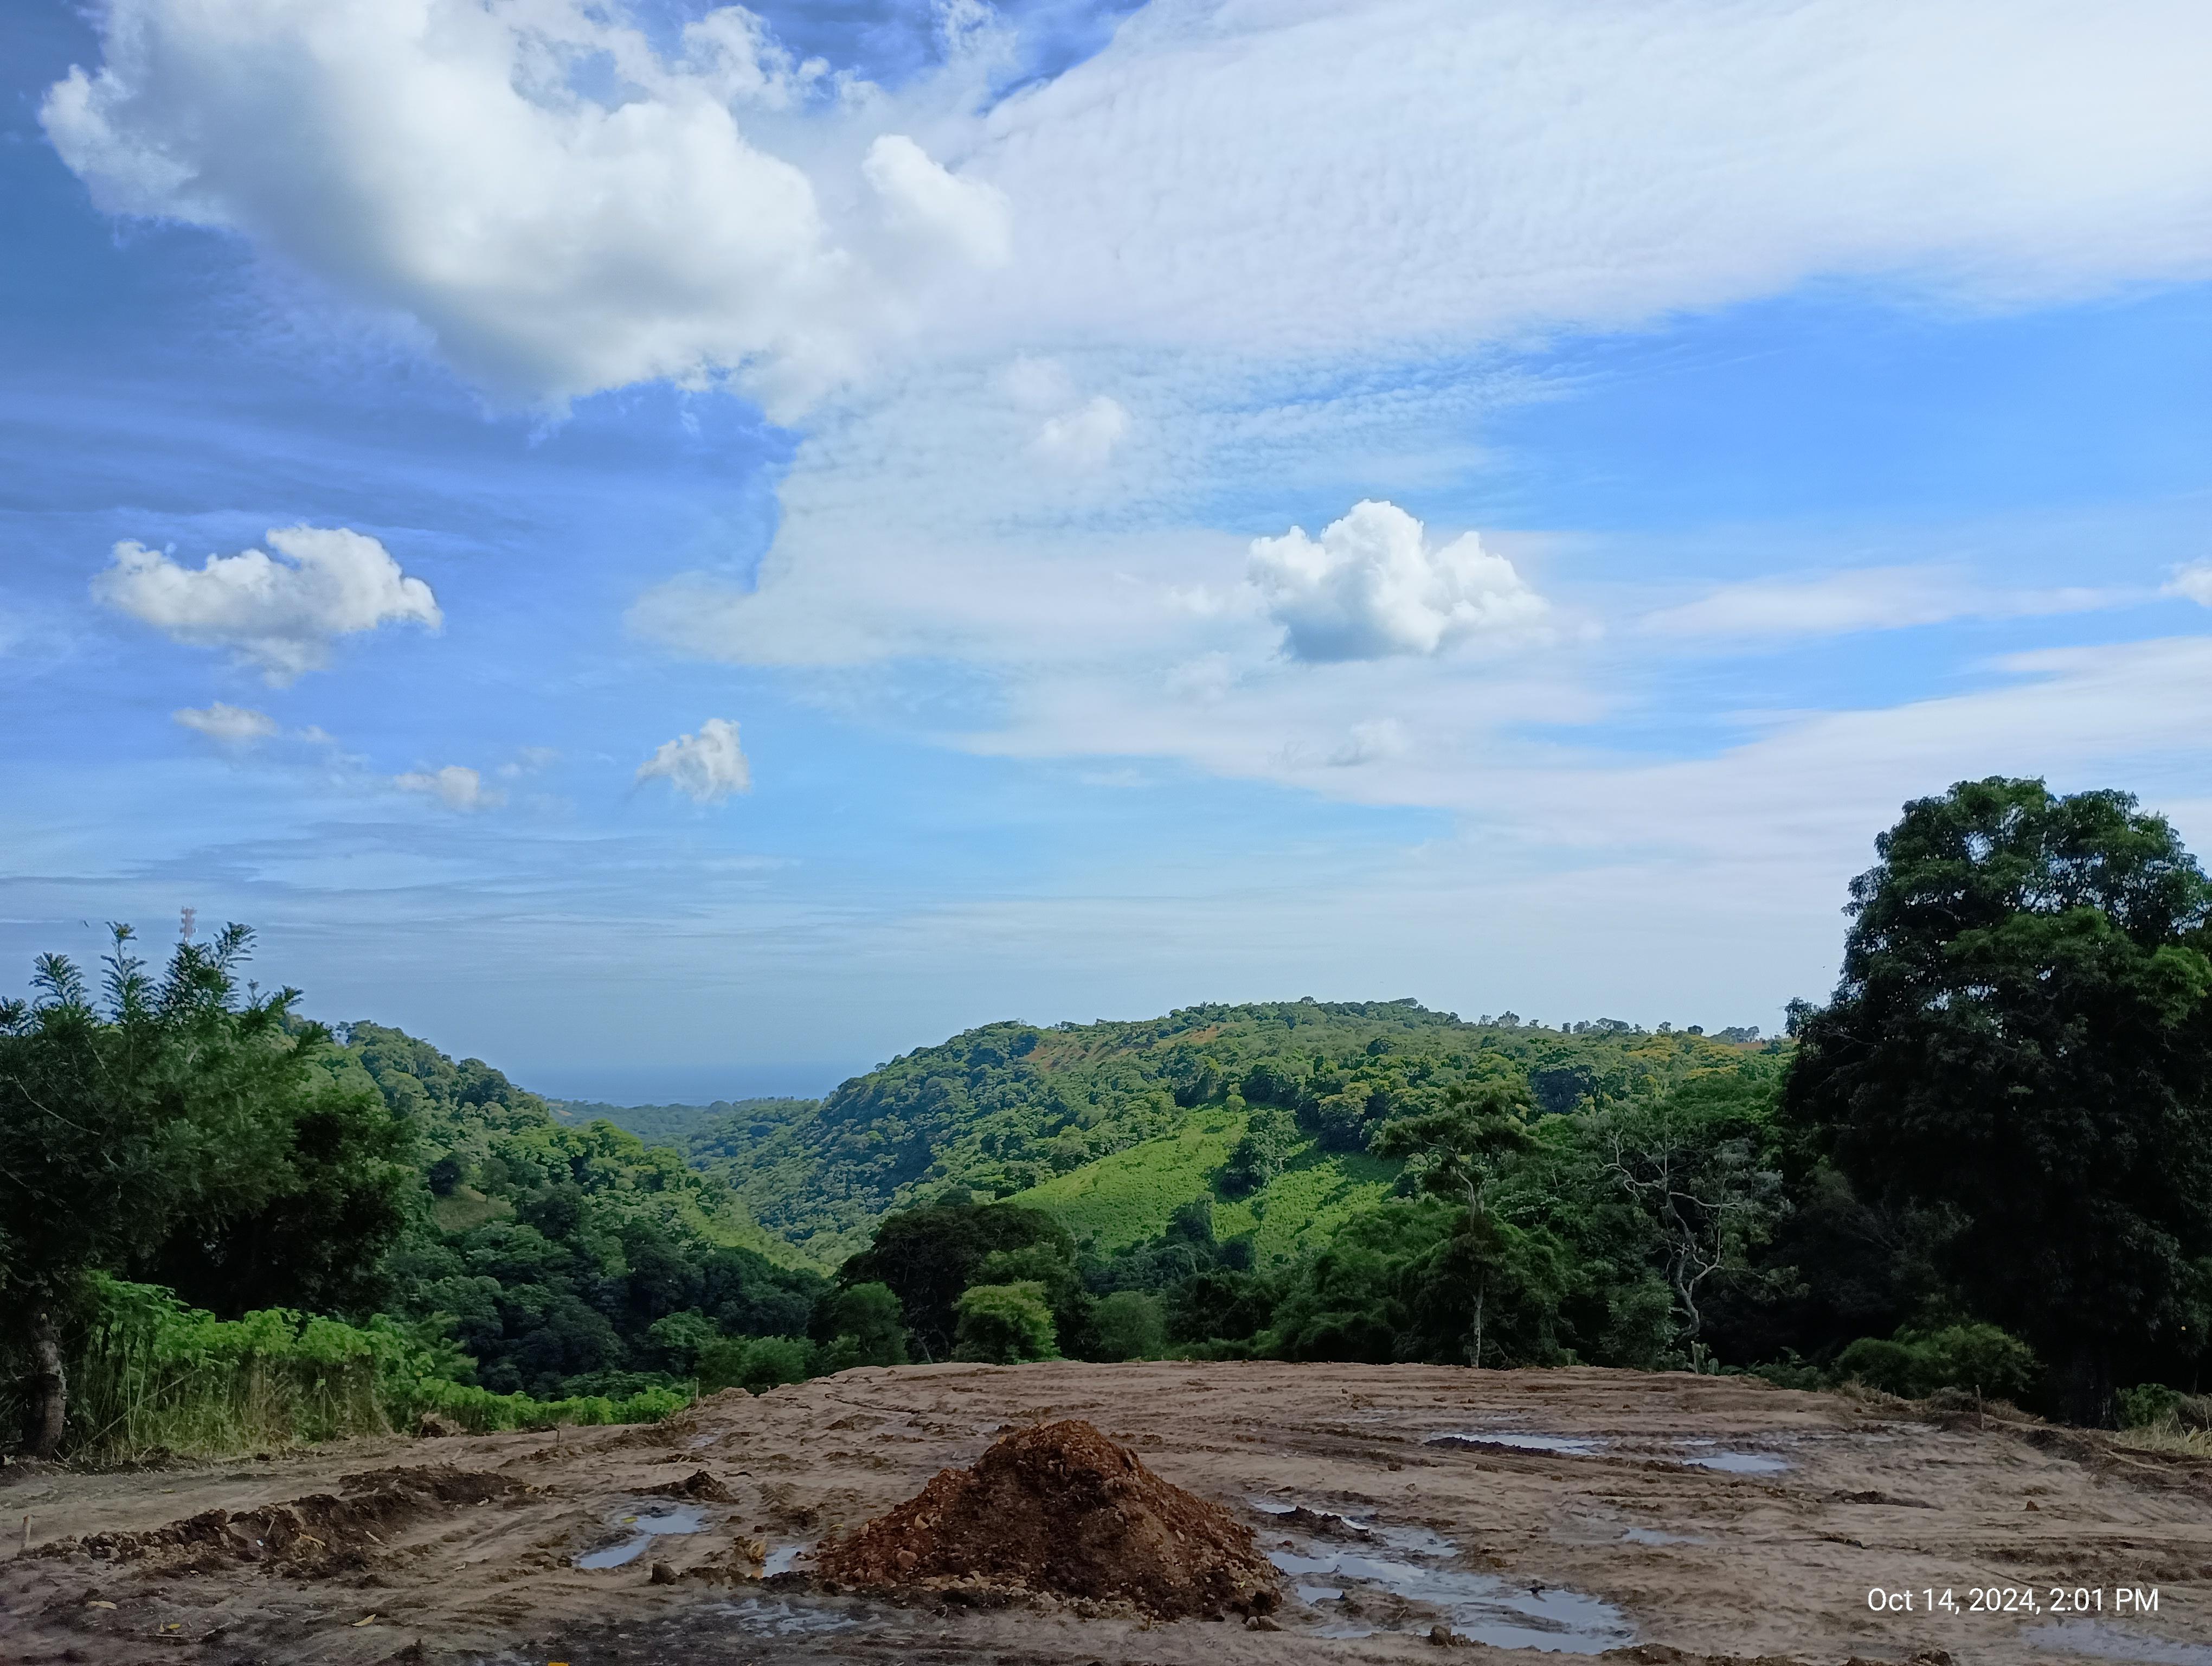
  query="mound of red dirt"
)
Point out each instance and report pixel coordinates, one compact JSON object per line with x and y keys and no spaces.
{"x":321,"y":1534}
{"x":1059,"y":1508}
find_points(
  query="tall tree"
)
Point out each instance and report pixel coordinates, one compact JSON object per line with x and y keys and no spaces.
{"x":2022,"y":1038}
{"x":169,"y":1107}
{"x":1458,"y":1150}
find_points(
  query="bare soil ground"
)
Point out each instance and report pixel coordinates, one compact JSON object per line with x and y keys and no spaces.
{"x":1635,"y":1518}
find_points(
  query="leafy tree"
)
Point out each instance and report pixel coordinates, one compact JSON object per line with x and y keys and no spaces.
{"x":1270,"y":1136}
{"x":1457,"y":1151}
{"x":927,"y":1257}
{"x":860,"y":1325}
{"x":755,"y":1364}
{"x":1004,"y":1324}
{"x":173,"y":1104}
{"x":1222,"y":1303}
{"x":2022,"y":1039}
{"x":1699,"y":1165}
{"x":1131,"y":1324}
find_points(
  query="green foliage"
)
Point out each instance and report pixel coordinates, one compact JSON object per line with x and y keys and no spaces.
{"x":755,"y":1364}
{"x":174,"y":1121}
{"x":1007,"y":1108}
{"x":696,"y":1127}
{"x":1271,"y":1136}
{"x":1130,"y":1324}
{"x":1005,"y":1324}
{"x":861,"y":1325}
{"x":928,"y":1256}
{"x":2022,"y":1039}
{"x":576,"y":1253}
{"x":1915,"y":1364}
{"x":152,"y":1377}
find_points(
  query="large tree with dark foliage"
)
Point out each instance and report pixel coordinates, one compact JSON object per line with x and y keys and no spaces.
{"x":2022,"y":1041}
{"x":173,"y":1122}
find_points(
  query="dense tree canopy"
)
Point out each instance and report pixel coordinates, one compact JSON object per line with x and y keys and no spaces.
{"x":2022,"y":1041}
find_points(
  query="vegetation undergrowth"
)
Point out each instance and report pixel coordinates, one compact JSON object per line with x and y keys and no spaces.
{"x":152,"y":1378}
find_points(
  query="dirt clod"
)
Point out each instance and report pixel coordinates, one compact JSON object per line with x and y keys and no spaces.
{"x":1061,"y":1508}
{"x":698,"y":1485}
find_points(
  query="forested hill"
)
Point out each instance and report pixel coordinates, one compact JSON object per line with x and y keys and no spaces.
{"x":671,"y":1125}
{"x":1008,"y":1107}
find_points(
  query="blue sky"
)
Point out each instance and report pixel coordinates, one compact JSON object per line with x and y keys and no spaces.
{"x":828,"y":526}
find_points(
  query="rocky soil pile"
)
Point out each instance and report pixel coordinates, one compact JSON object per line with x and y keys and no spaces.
{"x":1059,"y":1508}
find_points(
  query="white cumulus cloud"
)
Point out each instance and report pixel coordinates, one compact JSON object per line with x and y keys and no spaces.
{"x":1373,"y":585}
{"x":227,"y":724}
{"x":456,"y":786}
{"x":278,"y":612}
{"x":708,"y":766}
{"x":441,"y":160}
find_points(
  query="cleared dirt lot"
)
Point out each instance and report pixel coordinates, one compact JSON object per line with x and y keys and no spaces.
{"x":1590,"y":1511}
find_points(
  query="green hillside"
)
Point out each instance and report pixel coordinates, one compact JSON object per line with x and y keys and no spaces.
{"x":1129,"y":1197}
{"x":1110,"y":1125}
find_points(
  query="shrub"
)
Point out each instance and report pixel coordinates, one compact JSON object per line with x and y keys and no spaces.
{"x":2147,"y":1403}
{"x":1915,"y":1364}
{"x":1003,"y":1324}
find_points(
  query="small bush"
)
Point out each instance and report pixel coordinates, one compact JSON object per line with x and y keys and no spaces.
{"x":1977,"y":1358}
{"x":1004,"y":1324}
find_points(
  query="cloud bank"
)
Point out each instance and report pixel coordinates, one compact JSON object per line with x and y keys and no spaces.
{"x":591,"y":239}
{"x":280,"y":612}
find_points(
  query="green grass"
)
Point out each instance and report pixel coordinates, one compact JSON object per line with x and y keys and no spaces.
{"x":465,"y":1208}
{"x":1303,"y":1207}
{"x":1128,"y":1197}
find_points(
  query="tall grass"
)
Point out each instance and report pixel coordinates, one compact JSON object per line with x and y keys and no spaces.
{"x":150,"y":1377}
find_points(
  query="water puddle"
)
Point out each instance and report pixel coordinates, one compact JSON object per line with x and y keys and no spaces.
{"x":2100,"y":1641}
{"x":1557,"y":1445}
{"x":1399,"y":1578}
{"x":782,"y":1560}
{"x":644,"y":1528}
{"x":1739,"y":1463}
{"x":766,"y":1616}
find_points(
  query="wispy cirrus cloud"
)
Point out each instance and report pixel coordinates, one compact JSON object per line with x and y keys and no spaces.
{"x":1791,"y":606}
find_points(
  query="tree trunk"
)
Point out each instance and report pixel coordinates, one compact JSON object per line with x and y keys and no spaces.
{"x":1481,"y":1290}
{"x":2089,"y":1400}
{"x":49,"y":1406}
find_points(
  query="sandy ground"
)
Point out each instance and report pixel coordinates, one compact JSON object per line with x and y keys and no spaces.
{"x":1714,"y":1516}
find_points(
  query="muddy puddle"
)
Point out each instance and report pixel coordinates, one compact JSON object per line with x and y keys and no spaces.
{"x":2098,"y":1639}
{"x":1519,"y":1441}
{"x":1734,"y":1463}
{"x":643,"y":1528}
{"x":1363,"y":1578}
